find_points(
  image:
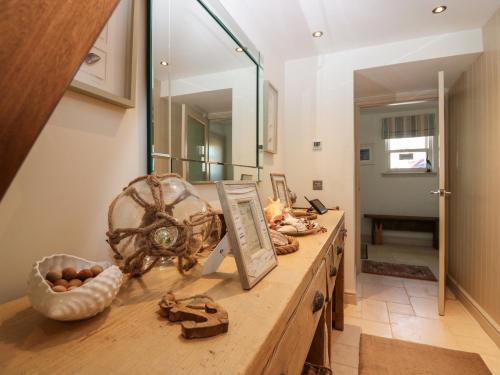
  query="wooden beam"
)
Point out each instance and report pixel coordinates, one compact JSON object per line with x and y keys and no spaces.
{"x":42,"y":45}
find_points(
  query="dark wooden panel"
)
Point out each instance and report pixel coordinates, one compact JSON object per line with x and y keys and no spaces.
{"x":42,"y":45}
{"x":407,"y":223}
{"x":399,"y":217}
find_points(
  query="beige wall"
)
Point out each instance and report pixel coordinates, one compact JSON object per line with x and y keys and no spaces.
{"x":474,"y":109}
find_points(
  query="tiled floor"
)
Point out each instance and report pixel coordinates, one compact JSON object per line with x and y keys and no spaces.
{"x":345,"y":351}
{"x":407,"y":310}
{"x":405,"y":254}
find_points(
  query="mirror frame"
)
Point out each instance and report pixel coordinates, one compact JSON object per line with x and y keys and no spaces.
{"x":230,"y":27}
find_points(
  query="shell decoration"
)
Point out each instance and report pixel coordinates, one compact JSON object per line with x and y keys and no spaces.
{"x":80,"y":303}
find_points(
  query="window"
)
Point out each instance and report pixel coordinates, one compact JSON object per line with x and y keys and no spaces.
{"x":412,"y":154}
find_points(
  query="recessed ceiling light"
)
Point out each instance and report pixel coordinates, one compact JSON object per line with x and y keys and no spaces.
{"x":239,"y":49}
{"x":439,"y":9}
{"x":317,"y":34}
{"x":164,"y":63}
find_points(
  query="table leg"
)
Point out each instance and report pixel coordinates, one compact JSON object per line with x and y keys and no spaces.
{"x":435,"y":235}
{"x":338,"y":298}
{"x":373,"y":231}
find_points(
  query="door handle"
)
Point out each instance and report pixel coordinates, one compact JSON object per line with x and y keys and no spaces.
{"x":441,"y":193}
{"x":318,"y":301}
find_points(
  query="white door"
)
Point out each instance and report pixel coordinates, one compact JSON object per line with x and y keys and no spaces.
{"x":443,"y":194}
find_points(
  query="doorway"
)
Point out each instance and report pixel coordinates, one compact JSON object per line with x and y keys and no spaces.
{"x":399,"y":144}
{"x":398,"y":165}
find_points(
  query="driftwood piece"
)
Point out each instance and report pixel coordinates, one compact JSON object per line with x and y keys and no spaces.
{"x":304,"y":214}
{"x":200,"y":318}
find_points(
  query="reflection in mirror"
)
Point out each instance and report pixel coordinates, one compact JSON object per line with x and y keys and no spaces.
{"x":213,"y":171}
{"x":205,"y":93}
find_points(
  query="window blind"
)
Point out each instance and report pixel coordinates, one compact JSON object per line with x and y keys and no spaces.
{"x":409,"y":126}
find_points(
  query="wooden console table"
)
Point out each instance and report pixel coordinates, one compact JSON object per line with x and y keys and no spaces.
{"x":407,"y":223}
{"x":272,"y":328}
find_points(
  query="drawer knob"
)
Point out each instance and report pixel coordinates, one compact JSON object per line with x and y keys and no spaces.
{"x":333,"y":271}
{"x":319,"y":300}
{"x":344,"y":232}
{"x":340,"y":249}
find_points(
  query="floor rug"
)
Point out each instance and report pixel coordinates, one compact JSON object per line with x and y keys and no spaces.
{"x":379,"y":355}
{"x":399,"y":270}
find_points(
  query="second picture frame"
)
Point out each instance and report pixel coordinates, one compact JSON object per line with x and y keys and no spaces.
{"x":280,"y":189}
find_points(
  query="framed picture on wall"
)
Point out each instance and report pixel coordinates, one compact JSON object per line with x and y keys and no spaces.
{"x":366,"y":154}
{"x":280,"y":188}
{"x":270,"y":118}
{"x":248,"y":231}
{"x":108,"y":70}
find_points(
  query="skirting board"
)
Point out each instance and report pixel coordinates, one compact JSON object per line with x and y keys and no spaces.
{"x":484,"y":320}
{"x":350,"y":298}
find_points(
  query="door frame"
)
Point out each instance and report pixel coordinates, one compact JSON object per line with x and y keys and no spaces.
{"x":188,"y":111}
{"x":369,"y":102}
{"x":444,"y":182}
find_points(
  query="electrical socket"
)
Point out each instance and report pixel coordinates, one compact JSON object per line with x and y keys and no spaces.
{"x":317,"y":184}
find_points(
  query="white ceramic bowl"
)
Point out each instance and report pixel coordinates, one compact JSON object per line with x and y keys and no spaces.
{"x":80,"y":303}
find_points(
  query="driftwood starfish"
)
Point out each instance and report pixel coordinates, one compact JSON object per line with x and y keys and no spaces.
{"x":201,"y":317}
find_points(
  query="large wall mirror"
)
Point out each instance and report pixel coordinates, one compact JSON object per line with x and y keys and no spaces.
{"x":204,"y":96}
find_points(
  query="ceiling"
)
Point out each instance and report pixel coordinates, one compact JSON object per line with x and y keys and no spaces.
{"x":410,"y":77}
{"x":208,"y":101}
{"x":288,"y":24}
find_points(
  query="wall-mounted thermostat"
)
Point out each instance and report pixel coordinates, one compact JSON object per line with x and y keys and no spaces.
{"x":316,"y":145}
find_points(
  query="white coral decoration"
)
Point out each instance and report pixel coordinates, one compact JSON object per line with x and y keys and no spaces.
{"x":80,"y":303}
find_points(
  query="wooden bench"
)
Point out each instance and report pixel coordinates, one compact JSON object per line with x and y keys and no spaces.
{"x":407,"y":223}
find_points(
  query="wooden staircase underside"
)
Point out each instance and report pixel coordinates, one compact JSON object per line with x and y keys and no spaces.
{"x":42,"y":45}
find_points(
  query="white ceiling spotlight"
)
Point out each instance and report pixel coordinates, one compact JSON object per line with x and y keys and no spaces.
{"x":163,"y":63}
{"x":317,"y":34}
{"x":239,"y":49}
{"x":439,"y":9}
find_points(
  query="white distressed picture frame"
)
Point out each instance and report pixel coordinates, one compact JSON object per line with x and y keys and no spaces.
{"x":253,"y":263}
{"x":280,"y":188}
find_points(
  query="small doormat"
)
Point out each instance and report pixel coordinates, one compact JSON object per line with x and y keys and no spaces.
{"x":398,"y":270}
{"x":379,"y":355}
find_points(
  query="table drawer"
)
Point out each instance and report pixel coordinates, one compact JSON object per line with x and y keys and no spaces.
{"x":292,"y":349}
{"x":331,"y":271}
{"x":332,"y":257}
{"x":339,"y":243}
